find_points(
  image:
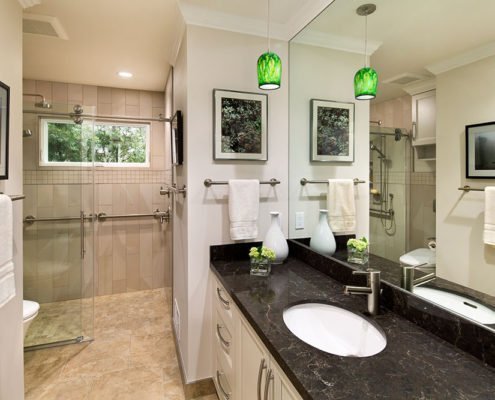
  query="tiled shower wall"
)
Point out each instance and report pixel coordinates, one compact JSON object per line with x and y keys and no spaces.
{"x":420,"y":217}
{"x":129,"y":254}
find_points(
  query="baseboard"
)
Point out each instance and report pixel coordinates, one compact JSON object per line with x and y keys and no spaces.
{"x":202,"y":387}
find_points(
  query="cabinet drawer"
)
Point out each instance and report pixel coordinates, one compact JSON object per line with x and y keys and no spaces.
{"x":223,"y":303}
{"x":222,"y":382}
{"x":223,"y":343}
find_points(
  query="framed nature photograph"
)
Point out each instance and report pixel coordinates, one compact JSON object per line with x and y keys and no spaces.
{"x":177,"y":138}
{"x":480,"y":150}
{"x":332,"y":131}
{"x":4,"y":130}
{"x":240,"y":125}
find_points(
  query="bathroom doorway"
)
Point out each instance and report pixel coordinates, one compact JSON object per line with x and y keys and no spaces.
{"x":58,"y":221}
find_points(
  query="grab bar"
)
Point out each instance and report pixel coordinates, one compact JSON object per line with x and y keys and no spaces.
{"x":468,"y":188}
{"x":208,"y":182}
{"x":31,"y":219}
{"x":304,"y":181}
{"x":15,"y":197}
{"x":163,"y":216}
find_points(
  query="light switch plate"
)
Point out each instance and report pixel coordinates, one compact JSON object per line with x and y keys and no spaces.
{"x":300,"y":220}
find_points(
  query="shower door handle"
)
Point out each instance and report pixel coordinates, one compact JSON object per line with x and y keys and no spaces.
{"x":81,"y":227}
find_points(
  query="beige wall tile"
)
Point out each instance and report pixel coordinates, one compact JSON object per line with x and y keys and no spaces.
{"x":157,"y":162}
{"x":145,"y":104}
{"x":90,"y":95}
{"x":45,"y":89}
{"x":105,"y":239}
{"x":104,"y":95}
{"x":60,"y":93}
{"x":157,"y":139}
{"x":132,"y":274}
{"x":118,"y":102}
{"x":75,"y":93}
{"x":105,"y":275}
{"x":28,"y":86}
{"x":146,"y":197}
{"x":132,"y":97}
{"x":132,"y":111}
{"x":146,"y":251}
{"x":159,"y":269}
{"x":119,"y":253}
{"x":133,"y":198}
{"x":119,"y":198}
{"x":132,"y":240}
{"x":105,"y":194}
{"x":45,"y":196}
{"x":157,"y":112}
{"x":104,"y":109}
{"x":158,"y":99}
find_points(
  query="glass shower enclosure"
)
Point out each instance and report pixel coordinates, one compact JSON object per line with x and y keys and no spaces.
{"x":58,"y":221}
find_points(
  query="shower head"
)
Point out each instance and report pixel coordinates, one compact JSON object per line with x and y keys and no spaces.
{"x":373,"y":147}
{"x":42,"y":103}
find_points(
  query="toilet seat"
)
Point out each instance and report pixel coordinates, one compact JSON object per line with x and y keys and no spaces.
{"x":29,"y":309}
{"x":419,"y":256}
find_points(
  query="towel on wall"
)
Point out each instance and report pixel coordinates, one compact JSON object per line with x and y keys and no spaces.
{"x":341,"y":206}
{"x":244,"y":202}
{"x":489,"y":231}
{"x":7,"y":278}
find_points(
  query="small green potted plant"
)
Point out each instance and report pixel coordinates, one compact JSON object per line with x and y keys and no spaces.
{"x":261,"y":260}
{"x":357,"y":251}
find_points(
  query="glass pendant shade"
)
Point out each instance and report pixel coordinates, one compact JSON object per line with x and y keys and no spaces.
{"x":365,"y":83}
{"x":269,"y":71}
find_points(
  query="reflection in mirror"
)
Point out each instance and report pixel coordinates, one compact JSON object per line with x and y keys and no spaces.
{"x":434,"y":79}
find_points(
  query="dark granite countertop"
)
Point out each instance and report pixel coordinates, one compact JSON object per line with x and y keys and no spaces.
{"x":415,"y":364}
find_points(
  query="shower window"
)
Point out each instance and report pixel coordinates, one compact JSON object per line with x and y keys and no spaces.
{"x":113,"y":144}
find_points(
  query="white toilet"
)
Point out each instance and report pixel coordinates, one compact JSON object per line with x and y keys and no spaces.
{"x":29,"y":312}
{"x":419,"y":256}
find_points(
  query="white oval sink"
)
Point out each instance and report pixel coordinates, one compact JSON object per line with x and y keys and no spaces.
{"x":461,"y":305}
{"x":334,"y":330}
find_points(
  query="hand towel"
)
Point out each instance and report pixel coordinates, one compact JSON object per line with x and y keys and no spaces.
{"x":341,"y":206}
{"x":489,"y":232}
{"x":244,"y":202}
{"x":7,"y":279}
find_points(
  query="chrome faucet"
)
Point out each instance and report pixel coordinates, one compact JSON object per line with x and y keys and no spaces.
{"x":372,"y":290}
{"x":408,"y":281}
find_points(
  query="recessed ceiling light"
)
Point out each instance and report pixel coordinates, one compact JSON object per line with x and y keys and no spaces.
{"x":125,"y":74}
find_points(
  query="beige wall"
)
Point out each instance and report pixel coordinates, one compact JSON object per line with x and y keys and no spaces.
{"x":129,"y":254}
{"x":11,"y":338}
{"x":465,"y":96}
{"x":212,"y":59}
{"x":324,"y":74}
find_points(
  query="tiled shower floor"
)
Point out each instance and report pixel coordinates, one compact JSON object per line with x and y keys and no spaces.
{"x":133,"y":356}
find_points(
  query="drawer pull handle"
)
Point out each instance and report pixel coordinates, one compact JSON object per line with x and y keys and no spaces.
{"x":269,"y":378}
{"x":226,"y":394}
{"x":225,"y":342}
{"x":226,"y":303}
{"x":260,"y":376}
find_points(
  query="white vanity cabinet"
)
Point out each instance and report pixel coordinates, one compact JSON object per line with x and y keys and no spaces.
{"x":243,"y":367}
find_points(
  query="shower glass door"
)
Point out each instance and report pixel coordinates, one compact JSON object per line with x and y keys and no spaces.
{"x":58,"y":222}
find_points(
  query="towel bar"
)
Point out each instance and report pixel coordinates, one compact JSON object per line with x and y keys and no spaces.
{"x":208,"y":182}
{"x":15,"y":197}
{"x":467,"y":188}
{"x":304,"y":181}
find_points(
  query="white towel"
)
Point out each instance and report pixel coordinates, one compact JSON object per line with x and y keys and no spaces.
{"x":244,"y":203}
{"x":341,"y":206}
{"x":7,"y":279}
{"x":489,"y":233}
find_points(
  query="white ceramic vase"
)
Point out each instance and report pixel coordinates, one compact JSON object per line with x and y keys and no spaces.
{"x":322,"y":239}
{"x":275,"y":239}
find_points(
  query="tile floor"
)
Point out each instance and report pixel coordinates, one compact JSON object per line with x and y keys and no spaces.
{"x":133,"y":356}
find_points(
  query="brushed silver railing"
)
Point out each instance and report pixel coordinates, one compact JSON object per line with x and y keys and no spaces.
{"x":305,"y":181}
{"x":208,"y":182}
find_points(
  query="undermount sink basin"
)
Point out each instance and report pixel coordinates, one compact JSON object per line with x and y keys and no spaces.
{"x":334,"y":330}
{"x":461,"y":305}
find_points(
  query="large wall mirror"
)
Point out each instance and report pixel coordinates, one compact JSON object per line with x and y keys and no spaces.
{"x":435,"y":62}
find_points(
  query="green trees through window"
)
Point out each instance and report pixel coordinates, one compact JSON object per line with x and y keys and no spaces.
{"x":111,"y":143}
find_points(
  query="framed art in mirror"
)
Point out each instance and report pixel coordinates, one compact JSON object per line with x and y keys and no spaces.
{"x":480,"y":151}
{"x":4,"y":130}
{"x":177,"y":137}
{"x":240,"y":125}
{"x":332,"y":131}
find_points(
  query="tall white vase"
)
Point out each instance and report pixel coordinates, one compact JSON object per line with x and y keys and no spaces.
{"x":322,"y":239}
{"x":275,"y":239}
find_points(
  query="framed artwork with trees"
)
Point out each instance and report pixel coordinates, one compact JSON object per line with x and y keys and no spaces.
{"x":240,"y":125}
{"x":332,"y":131}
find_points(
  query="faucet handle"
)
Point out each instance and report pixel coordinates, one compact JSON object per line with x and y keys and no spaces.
{"x":368,"y":272}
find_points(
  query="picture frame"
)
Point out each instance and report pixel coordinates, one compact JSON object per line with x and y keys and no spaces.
{"x":332,"y":131}
{"x":240,"y":125}
{"x":177,"y":138}
{"x":4,"y":130}
{"x":480,"y":151}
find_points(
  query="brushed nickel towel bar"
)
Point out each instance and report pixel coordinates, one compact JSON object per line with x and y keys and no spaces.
{"x":304,"y":181}
{"x":163,"y":216}
{"x":467,"y":188}
{"x":208,"y":182}
{"x":31,"y":219}
{"x":15,"y":197}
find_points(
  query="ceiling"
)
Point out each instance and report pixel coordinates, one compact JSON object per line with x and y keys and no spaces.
{"x":409,"y":36}
{"x":142,"y":36}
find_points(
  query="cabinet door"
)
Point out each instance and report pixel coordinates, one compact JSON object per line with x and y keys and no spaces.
{"x":282,"y":388}
{"x":424,"y":118}
{"x":252,"y":366}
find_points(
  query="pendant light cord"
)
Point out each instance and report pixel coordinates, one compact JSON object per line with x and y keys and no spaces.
{"x":268,"y":25}
{"x":365,"y":40}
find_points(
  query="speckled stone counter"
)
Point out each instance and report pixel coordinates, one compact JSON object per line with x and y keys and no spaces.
{"x":415,"y":364}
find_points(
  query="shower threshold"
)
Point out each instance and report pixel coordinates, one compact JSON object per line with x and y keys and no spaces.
{"x":79,"y":339}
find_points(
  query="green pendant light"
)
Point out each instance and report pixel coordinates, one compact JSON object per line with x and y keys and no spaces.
{"x":269,"y":65}
{"x":366,"y":79}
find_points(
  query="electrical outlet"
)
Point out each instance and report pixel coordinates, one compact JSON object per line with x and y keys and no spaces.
{"x":176,"y":319}
{"x":300,"y":220}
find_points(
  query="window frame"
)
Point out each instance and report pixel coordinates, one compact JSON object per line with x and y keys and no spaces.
{"x":43,"y":140}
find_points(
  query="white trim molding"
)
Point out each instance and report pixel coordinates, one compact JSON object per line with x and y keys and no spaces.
{"x":53,"y":21}
{"x":459,"y":60}
{"x":420,"y":87}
